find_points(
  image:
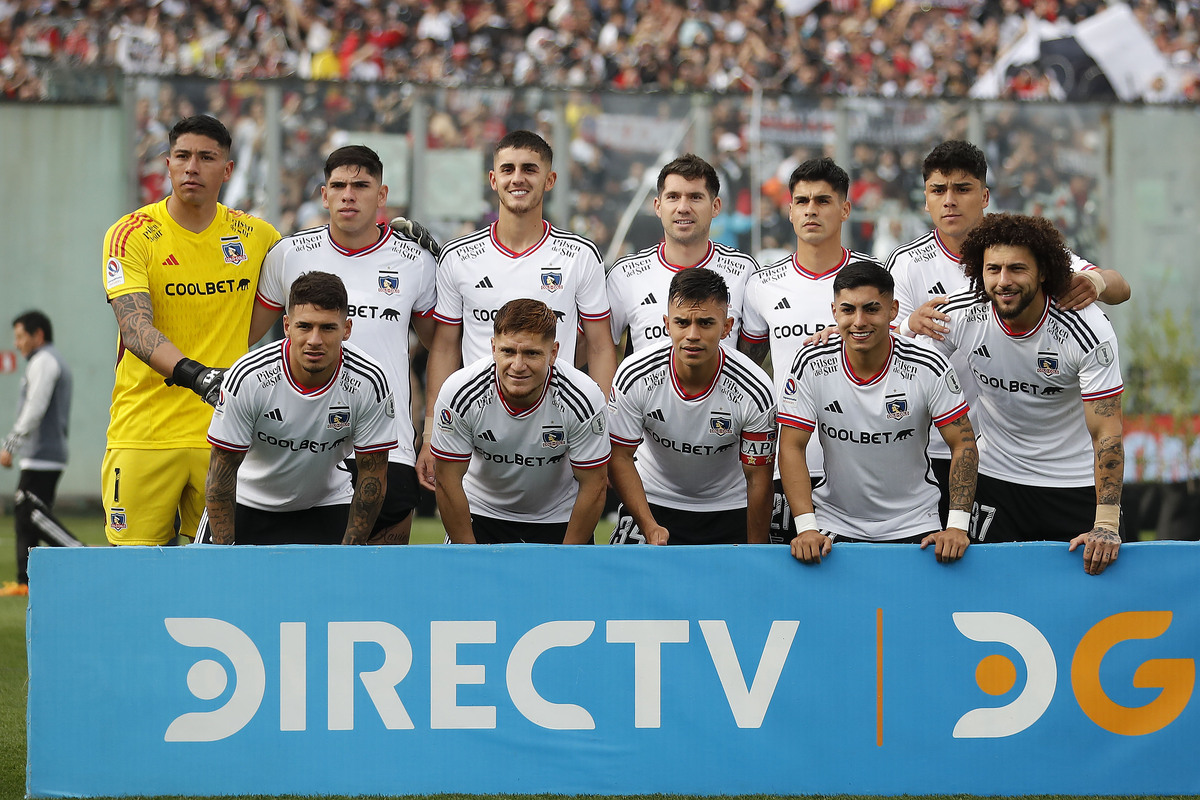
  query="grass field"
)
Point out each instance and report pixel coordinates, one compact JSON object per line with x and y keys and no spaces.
{"x":14,"y":678}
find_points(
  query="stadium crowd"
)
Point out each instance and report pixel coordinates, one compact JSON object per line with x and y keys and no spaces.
{"x":879,"y":48}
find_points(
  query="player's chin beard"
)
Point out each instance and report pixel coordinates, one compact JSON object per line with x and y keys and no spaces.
{"x":1023,"y":302}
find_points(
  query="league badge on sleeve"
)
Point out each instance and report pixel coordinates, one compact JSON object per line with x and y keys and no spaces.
{"x":115,"y":273}
{"x":1104,"y":354}
{"x":339,"y":417}
{"x":445,"y":419}
{"x":896,"y":406}
{"x":1047,"y":364}
{"x":233,"y":250}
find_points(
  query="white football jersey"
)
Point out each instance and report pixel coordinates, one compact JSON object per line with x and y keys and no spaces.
{"x":476,"y":275}
{"x":926,"y":268}
{"x":521,"y":458}
{"x":690,"y":448}
{"x":1031,"y":386}
{"x":387,"y":283}
{"x":873,"y":430}
{"x":295,"y":438}
{"x":638,"y":286}
{"x":785,"y":304}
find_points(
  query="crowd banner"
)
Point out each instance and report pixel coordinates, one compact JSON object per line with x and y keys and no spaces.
{"x":611,"y":670}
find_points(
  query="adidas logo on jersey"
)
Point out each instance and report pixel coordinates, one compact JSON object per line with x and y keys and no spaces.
{"x":487,"y":436}
{"x":486,"y":283}
{"x":835,"y":407}
{"x":982,"y":351}
{"x":937,"y":288}
{"x":657,"y":414}
{"x":782,"y":304}
{"x":170,"y":261}
{"x":649,"y":301}
{"x":274,"y":414}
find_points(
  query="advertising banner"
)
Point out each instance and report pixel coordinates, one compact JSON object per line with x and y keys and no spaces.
{"x":611,"y":670}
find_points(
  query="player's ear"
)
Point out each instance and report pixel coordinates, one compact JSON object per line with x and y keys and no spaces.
{"x":554,"y":352}
{"x":228,"y":171}
{"x":716,"y":206}
{"x":987,"y":197}
{"x":324,"y":195}
{"x":728,"y":325}
{"x":551,"y":177}
{"x":383,"y":193}
{"x":287,"y":323}
{"x":895,"y":310}
{"x":493,"y":341}
{"x":492,"y":178}
{"x":845,"y":210}
{"x":349,"y":325}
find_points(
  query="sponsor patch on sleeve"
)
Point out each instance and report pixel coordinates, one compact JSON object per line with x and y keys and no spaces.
{"x":115,"y":273}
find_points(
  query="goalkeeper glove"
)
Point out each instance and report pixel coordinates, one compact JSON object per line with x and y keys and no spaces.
{"x":204,"y":381}
{"x":418,"y":233}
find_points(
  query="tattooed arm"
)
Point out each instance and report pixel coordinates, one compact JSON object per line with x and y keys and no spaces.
{"x":368,"y":496}
{"x":756,"y":350}
{"x":951,"y":544}
{"x":220,"y":493}
{"x":1104,"y":422}
{"x":135,"y":320}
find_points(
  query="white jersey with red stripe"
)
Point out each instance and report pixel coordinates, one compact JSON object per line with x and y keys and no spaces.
{"x":521,"y":458}
{"x":873,"y":430}
{"x":296,"y":438}
{"x":785,"y":304}
{"x":388,"y":283}
{"x":1031,"y":386}
{"x":926,"y":268}
{"x":690,"y":448}
{"x":476,"y":275}
{"x":638,"y":286}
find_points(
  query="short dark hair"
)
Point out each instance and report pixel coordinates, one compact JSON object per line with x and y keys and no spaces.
{"x":355,"y":155}
{"x":1037,"y":234}
{"x":690,"y":166}
{"x":697,"y":284}
{"x":526,"y":140}
{"x":525,"y":316}
{"x":319,"y":289}
{"x":821,"y":169}
{"x":202,"y":125}
{"x":33,"y":321}
{"x":955,"y":155}
{"x":857,"y":274}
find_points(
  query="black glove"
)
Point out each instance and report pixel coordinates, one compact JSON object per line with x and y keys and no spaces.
{"x":418,"y":233}
{"x":204,"y":381}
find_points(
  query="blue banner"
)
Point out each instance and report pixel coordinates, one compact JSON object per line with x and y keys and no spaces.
{"x":611,"y":670}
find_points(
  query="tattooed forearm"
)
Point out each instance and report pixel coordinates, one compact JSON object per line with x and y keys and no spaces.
{"x":368,"y":497}
{"x":1110,"y":470}
{"x":135,"y":320}
{"x":1107,"y":407}
{"x":220,"y":493}
{"x":964,"y":465}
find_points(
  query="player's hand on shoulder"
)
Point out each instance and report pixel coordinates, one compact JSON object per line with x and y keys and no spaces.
{"x":418,"y":233}
{"x":928,"y":320}
{"x":949,"y":545}
{"x":811,"y":546}
{"x":1100,"y":549}
{"x":1081,"y":293}
{"x":822,"y":336}
{"x":204,"y":381}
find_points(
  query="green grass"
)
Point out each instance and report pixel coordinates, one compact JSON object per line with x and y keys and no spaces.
{"x":14,"y":674}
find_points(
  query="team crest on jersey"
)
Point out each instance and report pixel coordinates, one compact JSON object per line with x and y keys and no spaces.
{"x":720,"y":426}
{"x":552,"y":281}
{"x":339,"y":417}
{"x":389,"y":284}
{"x":897,"y":407}
{"x":233,"y":250}
{"x":553,"y":437}
{"x":116,"y":519}
{"x":1047,"y":364}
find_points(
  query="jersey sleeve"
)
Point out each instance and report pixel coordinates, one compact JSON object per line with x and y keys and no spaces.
{"x":427,"y":294}
{"x":904,"y":293}
{"x":452,"y":434}
{"x":754,"y":324}
{"x":587,"y":439}
{"x":1100,"y":371}
{"x":619,"y":319}
{"x":759,"y":434}
{"x":946,"y":399}
{"x":796,"y":406}
{"x":592,"y":297}
{"x":1079,"y":264}
{"x":625,"y":423}
{"x":126,"y":256}
{"x":232,"y":426}
{"x":271,"y":291}
{"x":449,"y":304}
{"x":375,"y":423}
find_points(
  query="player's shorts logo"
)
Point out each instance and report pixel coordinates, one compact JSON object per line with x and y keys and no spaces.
{"x":552,"y":281}
{"x":554,"y":437}
{"x":720,"y":426}
{"x":338,"y":418}
{"x":233,"y":250}
{"x":389,"y":284}
{"x":897,"y":407}
{"x":1047,"y":364}
{"x":116,"y":519}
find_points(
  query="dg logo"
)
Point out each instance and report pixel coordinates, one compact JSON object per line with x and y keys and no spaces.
{"x":996,"y":675}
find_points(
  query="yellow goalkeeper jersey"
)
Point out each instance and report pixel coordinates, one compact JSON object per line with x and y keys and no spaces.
{"x":201,"y":287}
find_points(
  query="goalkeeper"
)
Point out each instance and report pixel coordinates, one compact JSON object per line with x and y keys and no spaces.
{"x":180,"y":275}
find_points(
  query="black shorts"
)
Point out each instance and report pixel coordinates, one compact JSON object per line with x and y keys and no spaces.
{"x":841,"y":537}
{"x":401,"y":496}
{"x":783,"y":525}
{"x":317,"y":525}
{"x":685,"y":527}
{"x":1013,"y":512}
{"x":489,"y":530}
